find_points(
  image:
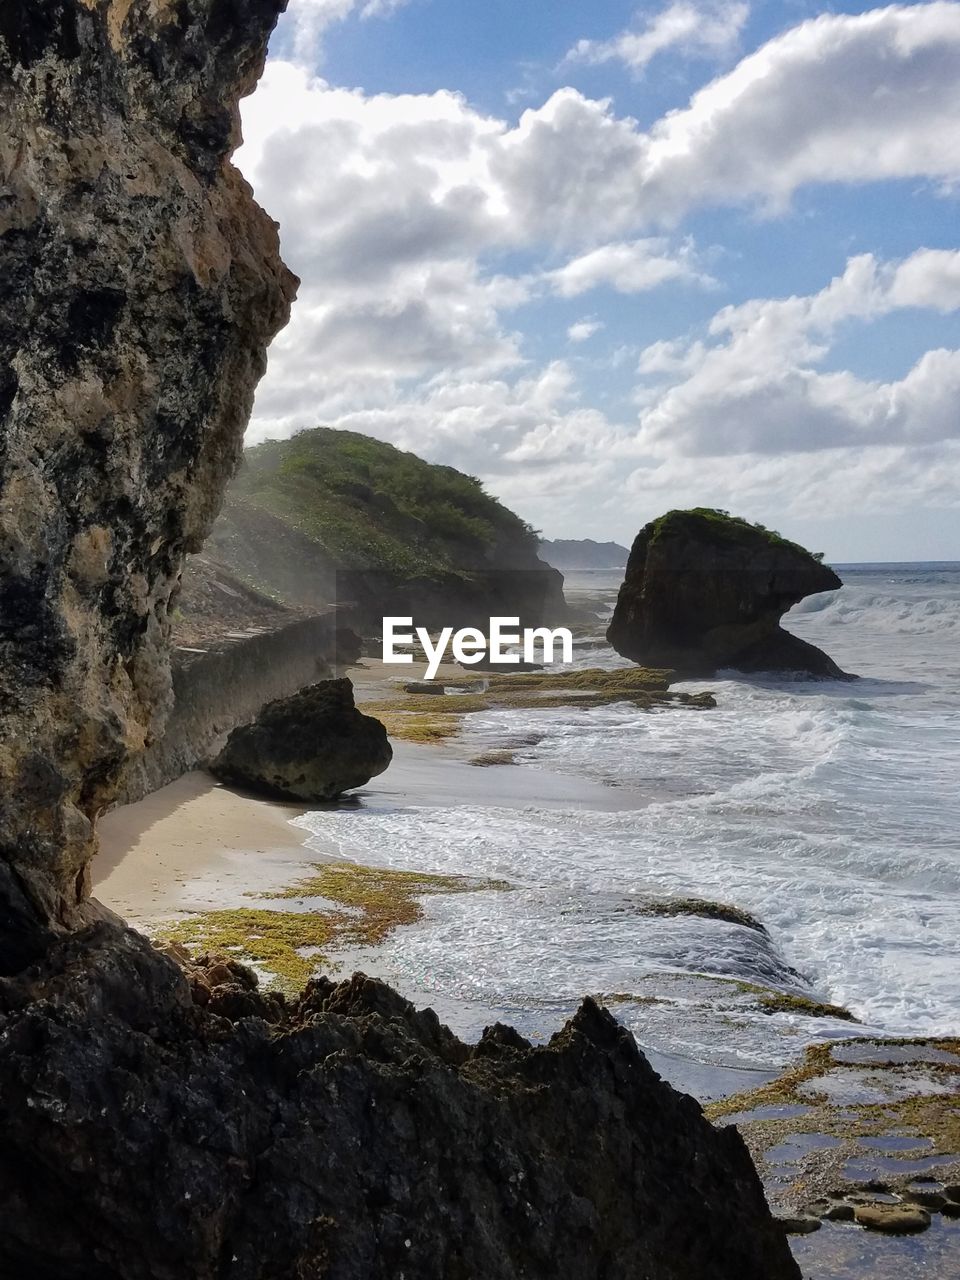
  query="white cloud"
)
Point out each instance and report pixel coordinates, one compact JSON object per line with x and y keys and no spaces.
{"x":306,"y":22}
{"x":628,"y":267}
{"x":686,"y":27}
{"x":584,"y":329}
{"x":758,"y":389}
{"x":846,"y":98}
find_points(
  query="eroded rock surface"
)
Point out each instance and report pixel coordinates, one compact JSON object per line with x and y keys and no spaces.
{"x":139,"y":287}
{"x":346,"y":1137}
{"x":312,"y":746}
{"x":706,"y":591}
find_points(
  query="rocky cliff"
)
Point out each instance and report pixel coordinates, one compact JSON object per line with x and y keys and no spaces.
{"x":347,"y":1137}
{"x":157,"y":1125}
{"x":706,"y":591}
{"x":139,"y":287}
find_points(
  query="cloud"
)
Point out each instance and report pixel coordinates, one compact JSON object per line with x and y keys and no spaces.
{"x":584,"y":329}
{"x":303,"y":26}
{"x":689,"y":28}
{"x":757,"y":387}
{"x":843,"y":98}
{"x":628,"y":267}
{"x":846,"y":98}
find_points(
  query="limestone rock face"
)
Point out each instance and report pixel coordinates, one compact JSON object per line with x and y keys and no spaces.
{"x":705,"y":591}
{"x":139,"y":287}
{"x":347,"y":1137}
{"x":312,"y":746}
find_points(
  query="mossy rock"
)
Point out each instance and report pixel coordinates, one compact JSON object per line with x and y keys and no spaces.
{"x":705,"y":591}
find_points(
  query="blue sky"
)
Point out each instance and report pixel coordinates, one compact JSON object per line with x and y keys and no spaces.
{"x":615,"y":258}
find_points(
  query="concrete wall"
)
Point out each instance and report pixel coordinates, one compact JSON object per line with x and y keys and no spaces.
{"x":226,"y":685}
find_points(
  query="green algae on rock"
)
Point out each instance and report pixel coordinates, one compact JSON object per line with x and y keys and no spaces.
{"x":883,"y":1111}
{"x":361,"y":905}
{"x":424,"y":717}
{"x":704,"y":908}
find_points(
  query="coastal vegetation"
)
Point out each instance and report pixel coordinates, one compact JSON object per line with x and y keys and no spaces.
{"x":722,"y":526}
{"x":371,"y":505}
{"x":334,"y":516}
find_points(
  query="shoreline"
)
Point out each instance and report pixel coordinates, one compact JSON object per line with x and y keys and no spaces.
{"x":196,"y":847}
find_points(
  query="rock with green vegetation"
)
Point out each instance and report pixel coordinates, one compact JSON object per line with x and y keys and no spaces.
{"x":336,"y":515}
{"x":705,"y":591}
{"x":312,"y":746}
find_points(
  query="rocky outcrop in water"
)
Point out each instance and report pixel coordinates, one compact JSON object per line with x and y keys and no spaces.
{"x":139,"y":287}
{"x":346,"y":1137}
{"x":312,"y":746}
{"x":705,"y":591}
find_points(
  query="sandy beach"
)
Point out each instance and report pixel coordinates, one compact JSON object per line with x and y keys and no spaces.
{"x":189,"y":845}
{"x":195,"y":845}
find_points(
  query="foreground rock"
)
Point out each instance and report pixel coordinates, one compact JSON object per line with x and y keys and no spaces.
{"x":139,"y":287}
{"x":705,"y":591}
{"x":312,"y":746}
{"x":356,"y":1139}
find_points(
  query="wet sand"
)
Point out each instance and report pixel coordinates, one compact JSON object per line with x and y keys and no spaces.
{"x":196,"y":845}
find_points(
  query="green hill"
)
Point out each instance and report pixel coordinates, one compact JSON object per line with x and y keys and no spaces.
{"x":370,"y":505}
{"x":417,"y":537}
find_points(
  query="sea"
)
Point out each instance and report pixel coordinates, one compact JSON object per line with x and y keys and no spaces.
{"x":826,"y":813}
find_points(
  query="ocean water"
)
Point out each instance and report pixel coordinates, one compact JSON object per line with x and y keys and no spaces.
{"x":828,"y":811}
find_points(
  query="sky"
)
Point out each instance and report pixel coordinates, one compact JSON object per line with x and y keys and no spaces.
{"x":616,"y":258}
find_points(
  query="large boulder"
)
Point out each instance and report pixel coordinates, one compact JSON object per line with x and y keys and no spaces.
{"x":312,"y":746}
{"x":706,"y":591}
{"x":345,"y":1137}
